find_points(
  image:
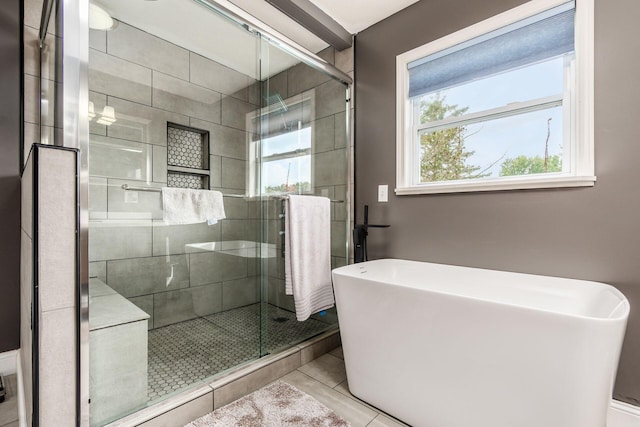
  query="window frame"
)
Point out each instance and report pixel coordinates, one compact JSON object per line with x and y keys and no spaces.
{"x":253,"y":186}
{"x":581,"y":173}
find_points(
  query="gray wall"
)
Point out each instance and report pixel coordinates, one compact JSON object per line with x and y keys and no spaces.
{"x":587,"y":233}
{"x":10,"y":118}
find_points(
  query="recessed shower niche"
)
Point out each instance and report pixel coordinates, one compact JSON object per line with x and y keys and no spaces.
{"x":187,"y":157}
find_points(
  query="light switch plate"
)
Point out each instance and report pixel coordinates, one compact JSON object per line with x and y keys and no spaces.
{"x":383,"y":193}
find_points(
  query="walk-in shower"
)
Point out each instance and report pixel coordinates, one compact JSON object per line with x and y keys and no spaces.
{"x":183,"y":95}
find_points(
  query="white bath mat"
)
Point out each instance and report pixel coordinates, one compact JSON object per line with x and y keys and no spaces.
{"x":276,"y":405}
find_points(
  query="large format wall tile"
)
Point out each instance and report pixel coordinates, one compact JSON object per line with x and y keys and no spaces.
{"x":215,"y":76}
{"x":57,"y":366}
{"x":119,"y":239}
{"x":172,"y":94}
{"x":330,"y":168}
{"x":276,"y":295}
{"x":140,"y":47}
{"x":340,"y":209}
{"x":31,"y":52}
{"x":159,"y":164}
{"x":215,"y":172}
{"x":119,"y":158}
{"x":56,"y":218}
{"x":26,"y":198}
{"x":240,"y":292}
{"x":143,"y":276}
{"x":338,"y":238}
{"x":212,"y":267}
{"x":99,"y":102}
{"x":177,"y":306}
{"x":97,"y":197}
{"x":145,"y":303}
{"x":31,"y":97}
{"x":240,"y":229}
{"x":98,"y":40}
{"x":340,"y":126}
{"x":330,"y":98}
{"x":137,"y":122}
{"x":234,"y":112}
{"x":323,"y":134}
{"x":172,"y":239}
{"x":47,"y":66}
{"x":223,"y":140}
{"x":130,"y":204}
{"x":277,"y":84}
{"x":302,"y":78}
{"x":236,"y":208}
{"x":118,"y":363}
{"x":26,"y":337}
{"x":233,"y":173}
{"x":114,"y":76}
{"x":273,"y":228}
{"x":98,"y":269}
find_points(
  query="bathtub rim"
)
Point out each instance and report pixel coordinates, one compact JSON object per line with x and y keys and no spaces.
{"x":619,"y":313}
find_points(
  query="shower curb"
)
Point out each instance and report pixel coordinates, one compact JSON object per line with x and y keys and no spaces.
{"x":196,"y":402}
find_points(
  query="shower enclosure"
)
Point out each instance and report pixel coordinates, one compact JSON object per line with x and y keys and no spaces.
{"x":181,"y":94}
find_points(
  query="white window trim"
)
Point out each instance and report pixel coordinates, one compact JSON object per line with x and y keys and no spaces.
{"x":583,"y":162}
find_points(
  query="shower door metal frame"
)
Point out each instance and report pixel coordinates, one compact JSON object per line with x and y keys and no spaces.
{"x":75,"y":104}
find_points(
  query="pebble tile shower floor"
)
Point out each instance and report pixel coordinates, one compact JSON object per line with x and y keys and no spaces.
{"x":187,"y":352}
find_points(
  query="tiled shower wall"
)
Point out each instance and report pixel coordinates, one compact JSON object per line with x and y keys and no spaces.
{"x":150,"y":82}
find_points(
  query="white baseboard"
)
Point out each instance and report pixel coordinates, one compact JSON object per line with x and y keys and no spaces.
{"x":8,"y":362}
{"x":623,"y":415}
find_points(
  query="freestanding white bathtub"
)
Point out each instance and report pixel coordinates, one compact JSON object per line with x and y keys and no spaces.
{"x":445,"y":346}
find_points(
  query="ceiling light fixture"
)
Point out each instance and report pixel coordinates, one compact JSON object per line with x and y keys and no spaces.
{"x":99,"y":19}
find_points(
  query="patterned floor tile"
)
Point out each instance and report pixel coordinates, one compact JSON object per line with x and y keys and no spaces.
{"x":191,"y":351}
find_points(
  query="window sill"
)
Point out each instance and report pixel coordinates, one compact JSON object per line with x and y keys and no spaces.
{"x":497,"y":185}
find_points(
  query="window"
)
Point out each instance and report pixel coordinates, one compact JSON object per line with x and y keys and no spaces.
{"x":503,"y":104}
{"x":281,"y":145}
{"x":286,"y":162}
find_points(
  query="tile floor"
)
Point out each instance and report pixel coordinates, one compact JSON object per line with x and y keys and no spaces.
{"x":9,"y":408}
{"x":187,"y":352}
{"x":325,"y":379}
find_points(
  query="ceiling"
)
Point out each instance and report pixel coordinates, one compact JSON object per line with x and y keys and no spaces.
{"x":357,"y":15}
{"x":353,"y":15}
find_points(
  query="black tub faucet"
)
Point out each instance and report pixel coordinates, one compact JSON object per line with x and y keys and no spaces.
{"x":360,"y":233}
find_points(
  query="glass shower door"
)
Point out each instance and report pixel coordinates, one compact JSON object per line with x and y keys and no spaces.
{"x":301,"y":149}
{"x":182,"y":96}
{"x":171,"y":303}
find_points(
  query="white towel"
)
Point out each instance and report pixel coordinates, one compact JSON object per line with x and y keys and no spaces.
{"x":189,"y":206}
{"x":308,"y":254}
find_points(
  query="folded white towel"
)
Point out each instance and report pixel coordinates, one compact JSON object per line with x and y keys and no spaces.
{"x":308,"y":254}
{"x":189,"y":206}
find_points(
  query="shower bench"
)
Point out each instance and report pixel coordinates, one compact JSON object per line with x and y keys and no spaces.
{"x":118,"y":354}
